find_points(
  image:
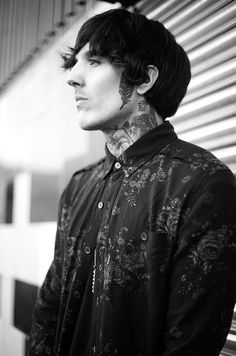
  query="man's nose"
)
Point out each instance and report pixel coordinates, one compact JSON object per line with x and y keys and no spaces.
{"x":74,"y":77}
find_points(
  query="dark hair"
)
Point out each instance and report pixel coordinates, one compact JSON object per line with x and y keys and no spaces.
{"x":133,"y":42}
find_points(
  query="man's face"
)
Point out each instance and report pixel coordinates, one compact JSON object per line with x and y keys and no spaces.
{"x":100,"y":92}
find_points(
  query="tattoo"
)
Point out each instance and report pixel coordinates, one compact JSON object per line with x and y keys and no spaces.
{"x":125,"y":90}
{"x":141,"y":124}
{"x":119,"y":139}
{"x":143,"y":105}
{"x":123,"y":135}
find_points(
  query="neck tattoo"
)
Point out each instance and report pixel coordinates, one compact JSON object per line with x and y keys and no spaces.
{"x":122,"y":136}
{"x":125,"y":90}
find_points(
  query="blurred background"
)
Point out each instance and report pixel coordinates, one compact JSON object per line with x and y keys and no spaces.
{"x":41,"y":144}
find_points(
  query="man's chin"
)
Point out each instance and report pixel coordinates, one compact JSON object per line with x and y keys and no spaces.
{"x":88,"y":123}
{"x":88,"y":126}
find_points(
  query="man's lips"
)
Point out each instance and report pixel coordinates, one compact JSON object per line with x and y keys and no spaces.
{"x":80,"y":98}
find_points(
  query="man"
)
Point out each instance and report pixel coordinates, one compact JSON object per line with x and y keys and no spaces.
{"x":145,"y":249}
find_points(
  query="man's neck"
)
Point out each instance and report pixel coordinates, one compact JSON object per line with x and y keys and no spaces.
{"x":123,"y":136}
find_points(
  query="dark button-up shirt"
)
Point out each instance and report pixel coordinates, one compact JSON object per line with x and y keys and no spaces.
{"x":145,"y":256}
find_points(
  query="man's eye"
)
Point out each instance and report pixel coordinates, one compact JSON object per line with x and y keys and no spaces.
{"x":93,"y":61}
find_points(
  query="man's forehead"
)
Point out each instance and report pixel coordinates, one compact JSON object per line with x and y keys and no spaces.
{"x":84,"y":52}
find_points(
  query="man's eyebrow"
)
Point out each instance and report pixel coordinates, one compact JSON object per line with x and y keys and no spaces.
{"x":88,"y":54}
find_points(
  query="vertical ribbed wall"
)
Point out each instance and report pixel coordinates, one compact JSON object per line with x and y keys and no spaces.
{"x":27,"y":25}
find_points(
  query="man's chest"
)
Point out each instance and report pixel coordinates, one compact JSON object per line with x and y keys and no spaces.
{"x":122,"y":228}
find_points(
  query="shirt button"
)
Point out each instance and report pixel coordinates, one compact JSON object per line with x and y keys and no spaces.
{"x":100,"y":205}
{"x":117,"y":165}
{"x":87,"y":250}
{"x":144,"y":236}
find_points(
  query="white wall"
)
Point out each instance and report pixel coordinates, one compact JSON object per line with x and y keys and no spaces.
{"x":25,"y":254}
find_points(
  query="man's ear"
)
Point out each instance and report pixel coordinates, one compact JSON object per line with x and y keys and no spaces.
{"x":152,"y":74}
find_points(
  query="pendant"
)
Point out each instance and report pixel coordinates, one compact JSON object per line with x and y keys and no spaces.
{"x":94,"y":271}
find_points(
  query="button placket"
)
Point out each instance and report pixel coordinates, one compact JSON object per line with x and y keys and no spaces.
{"x":87,"y":250}
{"x":117,"y":165}
{"x":128,"y":171}
{"x":100,"y":205}
{"x":144,"y":236}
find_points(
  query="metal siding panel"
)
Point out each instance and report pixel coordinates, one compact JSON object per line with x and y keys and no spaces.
{"x":17,"y":35}
{"x":1,"y":38}
{"x":207,"y":30}
{"x":12,"y":58}
{"x":202,"y":15}
{"x":45,"y":19}
{"x":68,"y":7}
{"x":215,"y":46}
{"x":8,"y":38}
{"x":199,"y":119}
{"x":62,"y":20}
{"x":57,"y":12}
{"x":221,"y":57}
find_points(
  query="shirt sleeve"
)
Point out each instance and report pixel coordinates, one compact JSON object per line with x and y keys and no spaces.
{"x":45,"y":313}
{"x":202,"y":288}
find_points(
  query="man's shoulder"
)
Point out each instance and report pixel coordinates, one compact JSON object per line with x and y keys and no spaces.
{"x":89,"y":168}
{"x":194,"y":157}
{"x":81,"y":176}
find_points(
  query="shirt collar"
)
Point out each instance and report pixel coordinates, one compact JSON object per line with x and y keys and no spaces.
{"x":142,"y":150}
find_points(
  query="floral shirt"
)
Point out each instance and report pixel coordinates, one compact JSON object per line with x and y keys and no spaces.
{"x":145,"y":256}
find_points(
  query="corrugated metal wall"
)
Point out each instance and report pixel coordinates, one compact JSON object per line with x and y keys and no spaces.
{"x":206,"y":29}
{"x":207,"y":116}
{"x":26,"y":26}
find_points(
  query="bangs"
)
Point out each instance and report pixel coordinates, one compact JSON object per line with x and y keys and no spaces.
{"x":104,"y":38}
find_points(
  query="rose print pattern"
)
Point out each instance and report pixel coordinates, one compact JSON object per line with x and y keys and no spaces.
{"x":168,"y":218}
{"x":135,"y":186}
{"x":65,"y":219}
{"x":206,"y":161}
{"x":125,"y":265}
{"x":205,"y":257}
{"x":211,"y":246}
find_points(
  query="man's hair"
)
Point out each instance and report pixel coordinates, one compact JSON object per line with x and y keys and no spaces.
{"x":133,"y":42}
